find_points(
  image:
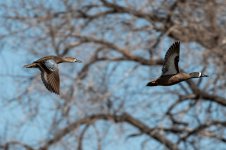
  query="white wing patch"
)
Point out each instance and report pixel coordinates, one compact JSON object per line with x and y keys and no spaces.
{"x":170,"y":65}
{"x":51,"y":65}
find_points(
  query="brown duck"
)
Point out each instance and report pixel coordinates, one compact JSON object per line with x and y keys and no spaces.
{"x":170,"y":70}
{"x":49,"y":70}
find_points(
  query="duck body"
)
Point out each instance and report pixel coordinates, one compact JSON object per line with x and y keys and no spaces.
{"x":48,"y":66}
{"x":168,"y":80}
{"x":170,"y":70}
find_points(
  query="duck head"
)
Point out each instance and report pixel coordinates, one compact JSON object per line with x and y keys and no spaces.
{"x":197,"y":75}
{"x":71,"y":59}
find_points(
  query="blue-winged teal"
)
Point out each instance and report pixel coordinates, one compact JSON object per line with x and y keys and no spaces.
{"x":49,"y":70}
{"x":170,"y":71}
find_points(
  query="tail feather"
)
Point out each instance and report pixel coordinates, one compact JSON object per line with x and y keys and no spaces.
{"x":33,"y":65}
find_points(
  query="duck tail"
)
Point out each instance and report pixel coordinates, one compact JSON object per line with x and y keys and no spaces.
{"x":33,"y":65}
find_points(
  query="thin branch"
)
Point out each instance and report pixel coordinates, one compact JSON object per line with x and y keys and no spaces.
{"x":124,"y":118}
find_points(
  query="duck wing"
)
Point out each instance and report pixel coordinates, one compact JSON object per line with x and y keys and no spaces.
{"x":170,"y":65}
{"x":51,"y":81}
{"x":50,"y":76}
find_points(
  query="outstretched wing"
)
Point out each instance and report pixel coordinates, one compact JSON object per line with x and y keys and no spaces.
{"x":170,"y":65}
{"x":50,"y":75}
{"x":51,"y":81}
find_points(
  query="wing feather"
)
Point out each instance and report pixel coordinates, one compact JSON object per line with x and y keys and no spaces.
{"x":170,"y":65}
{"x":51,"y":81}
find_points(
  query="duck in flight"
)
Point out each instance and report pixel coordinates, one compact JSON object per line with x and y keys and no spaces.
{"x":48,"y":66}
{"x":170,"y":70}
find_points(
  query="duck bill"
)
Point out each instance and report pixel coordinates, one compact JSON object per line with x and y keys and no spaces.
{"x":203,"y":75}
{"x":79,"y":61}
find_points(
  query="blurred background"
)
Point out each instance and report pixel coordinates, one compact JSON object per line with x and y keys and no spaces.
{"x":104,"y":103}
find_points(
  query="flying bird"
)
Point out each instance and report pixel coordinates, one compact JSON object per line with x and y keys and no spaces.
{"x":170,"y":70}
{"x":48,"y":66}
